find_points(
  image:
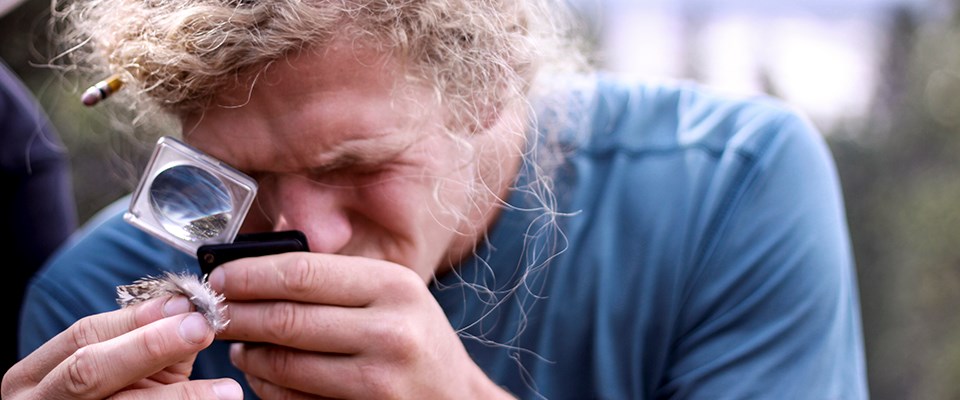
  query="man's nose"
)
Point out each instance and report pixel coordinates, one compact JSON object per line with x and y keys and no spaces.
{"x":318,"y":210}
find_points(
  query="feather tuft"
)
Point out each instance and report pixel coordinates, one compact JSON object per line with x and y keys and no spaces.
{"x":196,"y":289}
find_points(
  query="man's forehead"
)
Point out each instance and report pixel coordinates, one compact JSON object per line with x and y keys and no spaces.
{"x":319,"y":110}
{"x":316,"y":154}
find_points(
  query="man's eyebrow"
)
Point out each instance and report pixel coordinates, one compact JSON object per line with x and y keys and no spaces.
{"x":367,"y":153}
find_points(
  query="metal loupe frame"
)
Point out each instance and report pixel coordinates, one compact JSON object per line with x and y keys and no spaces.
{"x":170,"y":153}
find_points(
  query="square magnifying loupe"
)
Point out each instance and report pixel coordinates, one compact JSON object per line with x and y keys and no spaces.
{"x":189,"y":199}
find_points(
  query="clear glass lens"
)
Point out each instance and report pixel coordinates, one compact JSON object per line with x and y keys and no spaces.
{"x":192,"y":204}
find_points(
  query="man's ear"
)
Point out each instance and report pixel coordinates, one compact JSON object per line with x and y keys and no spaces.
{"x":488,"y":115}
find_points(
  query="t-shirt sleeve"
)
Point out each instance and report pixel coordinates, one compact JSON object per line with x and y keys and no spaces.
{"x":47,"y":310}
{"x":771,"y":307}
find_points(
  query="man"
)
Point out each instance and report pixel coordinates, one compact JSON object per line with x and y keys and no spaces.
{"x":606,"y":239}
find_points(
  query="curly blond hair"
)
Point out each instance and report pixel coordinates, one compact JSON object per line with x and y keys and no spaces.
{"x":178,"y":54}
{"x":477,"y":56}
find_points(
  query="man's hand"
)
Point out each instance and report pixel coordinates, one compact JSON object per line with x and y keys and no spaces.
{"x":141,"y":352}
{"x":343,"y":327}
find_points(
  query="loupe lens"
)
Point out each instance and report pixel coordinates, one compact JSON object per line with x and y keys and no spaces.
{"x":190,"y":203}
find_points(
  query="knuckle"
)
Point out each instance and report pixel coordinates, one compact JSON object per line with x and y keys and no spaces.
{"x":257,"y":385}
{"x":240,"y":279}
{"x":267,"y":390}
{"x":279,"y":360}
{"x":84,"y":332}
{"x":303,"y":277}
{"x":81,"y":369}
{"x":405,"y":285}
{"x":13,"y":381}
{"x":376,"y":382}
{"x":282,"y":321}
{"x":153,"y":344}
{"x":396,"y":338}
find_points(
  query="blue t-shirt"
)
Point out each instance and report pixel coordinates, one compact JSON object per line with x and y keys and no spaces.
{"x":698,"y":250}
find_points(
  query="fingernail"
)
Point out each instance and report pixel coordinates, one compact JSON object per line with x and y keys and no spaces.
{"x":216,"y":279}
{"x":228,"y":390}
{"x":176,"y":305}
{"x":235,"y":350}
{"x":194,"y":328}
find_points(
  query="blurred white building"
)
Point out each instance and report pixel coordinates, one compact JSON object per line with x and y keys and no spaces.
{"x":824,"y":56}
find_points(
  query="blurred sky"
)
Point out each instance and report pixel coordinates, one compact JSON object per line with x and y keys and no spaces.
{"x":821,"y":55}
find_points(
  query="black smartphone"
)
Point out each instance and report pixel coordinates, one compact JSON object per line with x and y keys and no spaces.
{"x":250,"y":245}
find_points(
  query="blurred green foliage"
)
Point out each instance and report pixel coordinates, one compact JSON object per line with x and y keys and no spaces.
{"x":104,"y":165}
{"x":899,"y":167}
{"x":901,"y":180}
